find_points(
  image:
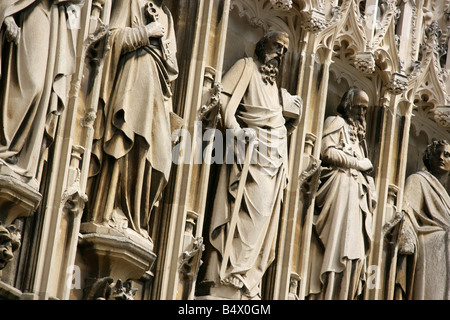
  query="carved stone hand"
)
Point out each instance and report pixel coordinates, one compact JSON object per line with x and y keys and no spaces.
{"x":364,"y":165}
{"x":155,"y":30}
{"x":12,"y":30}
{"x":245,"y":133}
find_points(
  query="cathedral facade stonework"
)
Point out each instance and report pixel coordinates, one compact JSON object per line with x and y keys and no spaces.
{"x":224,"y":150}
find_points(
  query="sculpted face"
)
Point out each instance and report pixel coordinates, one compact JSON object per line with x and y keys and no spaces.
{"x":440,"y":160}
{"x":276,"y":47}
{"x":9,"y":242}
{"x":353,"y":107}
{"x":270,"y":51}
{"x":360,"y":105}
{"x":6,"y":253}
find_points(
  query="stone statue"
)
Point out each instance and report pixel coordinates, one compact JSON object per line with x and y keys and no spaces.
{"x":37,"y":58}
{"x":423,"y":269}
{"x":252,"y":106}
{"x":9,"y":242}
{"x":132,"y":151}
{"x":345,"y":202}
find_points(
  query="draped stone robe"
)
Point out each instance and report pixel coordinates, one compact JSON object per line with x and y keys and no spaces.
{"x":425,"y":275}
{"x":133,"y":135}
{"x":343,"y":219}
{"x":253,"y":246}
{"x":34,"y":80}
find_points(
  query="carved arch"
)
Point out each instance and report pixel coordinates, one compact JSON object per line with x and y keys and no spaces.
{"x":350,"y":27}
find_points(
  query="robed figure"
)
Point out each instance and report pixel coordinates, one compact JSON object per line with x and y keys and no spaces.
{"x":252,"y":107}
{"x":423,"y":266}
{"x":37,"y":58}
{"x":132,"y":150}
{"x":345,"y":200}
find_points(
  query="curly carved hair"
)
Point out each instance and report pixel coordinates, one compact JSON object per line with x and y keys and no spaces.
{"x":432,"y":150}
{"x":260,"y":49}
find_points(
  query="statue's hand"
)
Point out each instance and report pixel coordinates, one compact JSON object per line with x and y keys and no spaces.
{"x":364,"y":165}
{"x":296,"y":104}
{"x":12,"y":30}
{"x":155,"y":30}
{"x":245,"y":134}
{"x":297,"y":101}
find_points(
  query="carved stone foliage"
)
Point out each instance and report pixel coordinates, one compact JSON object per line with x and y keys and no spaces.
{"x":314,"y":21}
{"x":398,"y":83}
{"x":282,"y":4}
{"x":442,"y":116}
{"x":365,"y":62}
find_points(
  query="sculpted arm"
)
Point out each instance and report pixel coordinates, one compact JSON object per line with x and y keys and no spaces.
{"x":131,"y":39}
{"x":230,"y":122}
{"x":231,"y":82}
{"x":335,"y":153}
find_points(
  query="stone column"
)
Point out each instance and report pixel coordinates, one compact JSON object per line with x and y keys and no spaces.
{"x":387,"y":188}
{"x":304,"y":159}
{"x":183,"y":236}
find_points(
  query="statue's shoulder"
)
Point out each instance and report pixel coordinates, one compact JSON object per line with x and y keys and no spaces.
{"x":237,"y":75}
{"x":333,"y":124}
{"x":240,"y":65}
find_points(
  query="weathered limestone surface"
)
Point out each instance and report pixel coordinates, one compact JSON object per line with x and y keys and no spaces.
{"x":114,"y":180}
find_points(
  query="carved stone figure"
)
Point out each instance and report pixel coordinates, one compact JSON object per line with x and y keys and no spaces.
{"x":37,"y":57}
{"x":249,"y":194}
{"x":106,"y":289}
{"x":9,"y":242}
{"x":344,"y":204}
{"x":132,"y":153}
{"x":424,"y":261}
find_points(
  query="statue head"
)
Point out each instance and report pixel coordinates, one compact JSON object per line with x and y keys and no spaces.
{"x":353,"y":108}
{"x":436,"y":158}
{"x":9,"y":242}
{"x":270,"y":51}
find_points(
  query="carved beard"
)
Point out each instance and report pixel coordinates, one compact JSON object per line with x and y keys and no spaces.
{"x":269,"y":70}
{"x":357,"y":129}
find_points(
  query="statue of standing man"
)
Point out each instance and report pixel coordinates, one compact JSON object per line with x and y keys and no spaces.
{"x":345,"y":203}
{"x":423,"y":269}
{"x":133,"y":147}
{"x":37,"y":58}
{"x":247,"y":205}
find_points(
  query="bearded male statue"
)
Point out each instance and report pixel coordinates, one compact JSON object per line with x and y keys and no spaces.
{"x":255,"y":107}
{"x":344,"y":204}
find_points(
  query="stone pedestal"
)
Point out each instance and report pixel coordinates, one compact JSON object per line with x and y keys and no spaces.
{"x":120,"y":254}
{"x":17,"y":199}
{"x":225,"y":293}
{"x":8,"y":292}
